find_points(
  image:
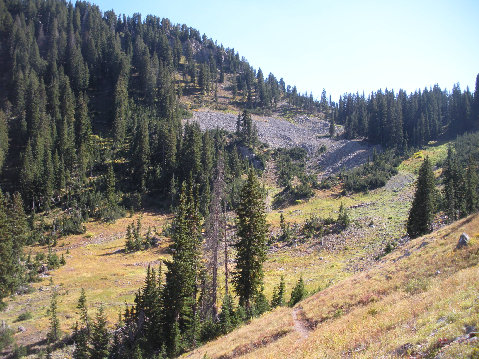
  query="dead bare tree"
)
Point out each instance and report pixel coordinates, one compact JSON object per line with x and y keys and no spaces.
{"x":214,"y":228}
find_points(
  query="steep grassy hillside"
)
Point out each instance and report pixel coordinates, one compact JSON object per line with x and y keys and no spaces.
{"x":420,"y":300}
{"x":96,"y":261}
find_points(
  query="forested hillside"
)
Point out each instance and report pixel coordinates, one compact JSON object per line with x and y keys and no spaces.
{"x":400,"y":120}
{"x":94,"y":126}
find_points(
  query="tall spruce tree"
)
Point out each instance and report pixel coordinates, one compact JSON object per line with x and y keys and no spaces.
{"x":423,"y":207}
{"x":180,"y":291}
{"x":251,"y":246}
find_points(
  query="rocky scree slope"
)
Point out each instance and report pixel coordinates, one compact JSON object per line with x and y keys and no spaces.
{"x":306,"y":132}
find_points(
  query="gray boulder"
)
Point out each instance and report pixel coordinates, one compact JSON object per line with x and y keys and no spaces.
{"x":463,"y":241}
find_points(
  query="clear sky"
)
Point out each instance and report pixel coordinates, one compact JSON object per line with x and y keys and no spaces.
{"x":340,"y":45}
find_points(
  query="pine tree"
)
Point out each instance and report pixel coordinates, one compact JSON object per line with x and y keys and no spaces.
{"x":81,"y":350}
{"x":3,"y":139}
{"x":278,"y":294}
{"x":180,"y":291}
{"x":324,"y":101}
{"x":83,"y":311}
{"x":121,"y":110}
{"x":54,"y":332}
{"x":298,"y":293}
{"x":83,"y":135}
{"x":332,"y":127}
{"x":472,"y":187}
{"x":423,"y":207}
{"x":111,"y":185}
{"x":100,"y":338}
{"x":129,"y":243}
{"x":227,"y":315}
{"x":251,"y":246}
{"x":343,"y":217}
{"x":261,"y":304}
{"x":13,"y":230}
{"x":449,"y":173}
{"x":475,"y":107}
{"x":141,"y":155}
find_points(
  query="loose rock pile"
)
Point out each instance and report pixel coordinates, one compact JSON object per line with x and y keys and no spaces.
{"x":308,"y":133}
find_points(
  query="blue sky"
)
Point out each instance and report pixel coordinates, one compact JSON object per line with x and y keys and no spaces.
{"x":340,"y":45}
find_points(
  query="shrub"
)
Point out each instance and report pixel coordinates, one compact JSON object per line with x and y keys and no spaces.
{"x":372,"y":175}
{"x":390,"y":246}
{"x":343,"y":217}
{"x":24,"y":316}
{"x":291,"y":193}
{"x":416,"y":285}
{"x":20,"y":351}
{"x":53,"y":260}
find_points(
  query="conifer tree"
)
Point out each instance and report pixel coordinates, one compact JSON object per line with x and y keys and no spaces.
{"x":472,"y":187}
{"x":121,"y":110}
{"x":81,"y":350}
{"x":423,"y":207}
{"x":54,"y":332}
{"x":83,"y":135}
{"x":83,"y":310}
{"x":181,"y":279}
{"x":141,"y":155}
{"x":13,"y":230}
{"x":475,"y":107}
{"x":111,"y":185}
{"x":450,"y":170}
{"x":3,"y":139}
{"x":343,"y":217}
{"x":227,"y":318}
{"x":278,"y":294}
{"x":100,"y":338}
{"x":332,"y":127}
{"x":298,"y":293}
{"x":82,"y":333}
{"x":251,"y":246}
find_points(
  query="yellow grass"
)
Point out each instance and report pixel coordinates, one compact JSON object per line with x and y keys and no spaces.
{"x":422,"y":292}
{"x":96,"y":263}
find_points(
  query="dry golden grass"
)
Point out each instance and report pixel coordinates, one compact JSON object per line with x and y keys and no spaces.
{"x":424,"y":292}
{"x":96,"y":263}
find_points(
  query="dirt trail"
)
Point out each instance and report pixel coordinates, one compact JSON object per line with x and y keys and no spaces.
{"x":301,"y":325}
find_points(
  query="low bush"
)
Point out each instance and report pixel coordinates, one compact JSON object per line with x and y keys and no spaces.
{"x":24,"y":316}
{"x":372,"y":175}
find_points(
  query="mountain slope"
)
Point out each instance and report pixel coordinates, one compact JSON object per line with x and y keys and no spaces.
{"x":420,"y":300}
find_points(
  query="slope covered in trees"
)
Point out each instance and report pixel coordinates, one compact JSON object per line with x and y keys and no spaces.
{"x":399,"y":120}
{"x":70,"y":71}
